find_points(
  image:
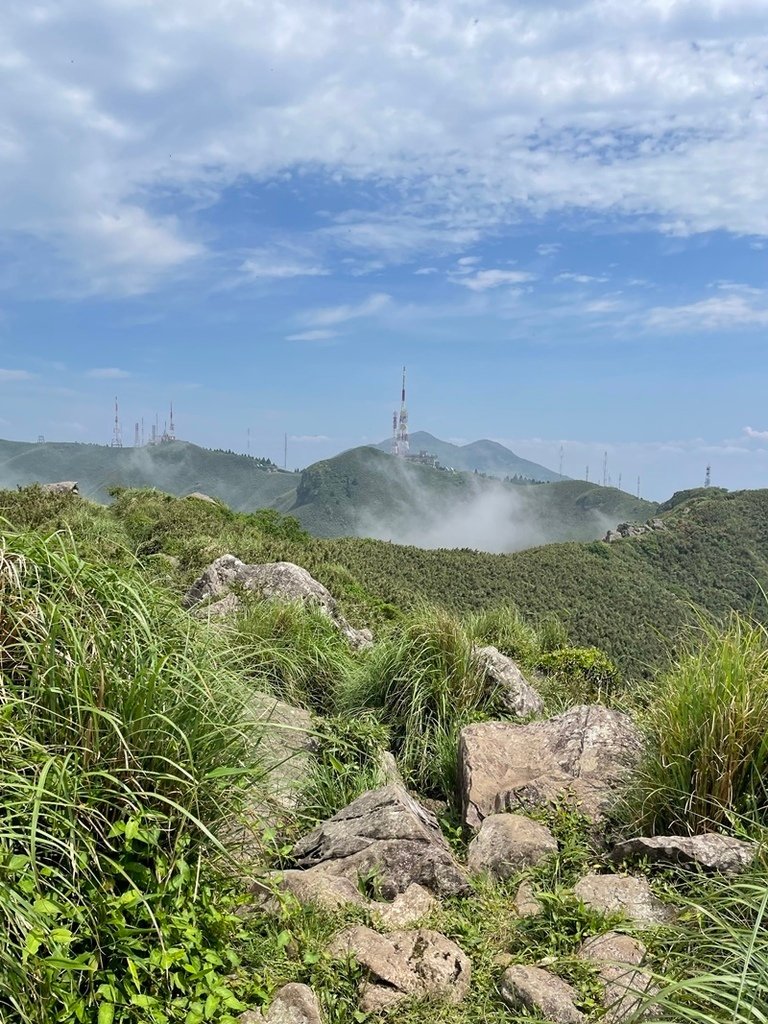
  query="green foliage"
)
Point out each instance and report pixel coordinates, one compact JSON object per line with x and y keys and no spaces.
{"x":708,"y":726}
{"x":295,"y":651}
{"x":504,"y":627}
{"x":586,"y":674}
{"x":424,"y":684}
{"x":123,"y":742}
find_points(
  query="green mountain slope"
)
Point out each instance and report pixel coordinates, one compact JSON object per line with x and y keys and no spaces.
{"x":484,"y":456}
{"x":176,"y":467}
{"x":365,"y":492}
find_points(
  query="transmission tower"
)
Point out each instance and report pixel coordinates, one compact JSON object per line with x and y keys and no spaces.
{"x":605,"y":469}
{"x":708,"y":477}
{"x":401,"y":437}
{"x":638,"y":487}
{"x":171,"y":427}
{"x":137,"y":436}
{"x":117,"y":434}
{"x":587,"y":475}
{"x":619,"y":483}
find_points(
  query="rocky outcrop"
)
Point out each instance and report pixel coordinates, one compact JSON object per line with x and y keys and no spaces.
{"x":384,"y":834}
{"x":624,"y":530}
{"x":617,"y":958}
{"x":200,"y":496}
{"x":536,"y":990}
{"x":710,"y":851}
{"x":629,"y":895}
{"x":504,"y":677}
{"x":61,"y":487}
{"x":583,"y":755}
{"x":271,"y":581}
{"x":403,"y":965}
{"x":507,"y":843}
{"x":293,"y":1004}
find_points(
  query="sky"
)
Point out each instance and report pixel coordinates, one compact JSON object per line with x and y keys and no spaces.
{"x":554,"y":212}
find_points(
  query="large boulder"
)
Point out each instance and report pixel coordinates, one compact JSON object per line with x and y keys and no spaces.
{"x":61,"y":487}
{"x":507,"y":843}
{"x":406,"y":909}
{"x":629,"y":895}
{"x":583,"y":755}
{"x":405,"y":964}
{"x":385,"y":835}
{"x":270,"y":581}
{"x":617,"y":959}
{"x":503,"y":675}
{"x":293,"y":1004}
{"x":534,"y":990}
{"x":710,"y":851}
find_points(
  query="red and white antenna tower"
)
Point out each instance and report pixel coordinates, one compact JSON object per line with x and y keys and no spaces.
{"x":117,"y":434}
{"x":394,"y":432}
{"x":401,"y":443}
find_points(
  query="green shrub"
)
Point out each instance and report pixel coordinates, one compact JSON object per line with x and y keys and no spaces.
{"x":708,"y":728}
{"x":583,"y":673}
{"x":123,"y":743}
{"x":503,"y":626}
{"x":424,"y":684}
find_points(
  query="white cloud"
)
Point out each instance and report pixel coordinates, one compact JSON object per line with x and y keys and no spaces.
{"x":308,"y":438}
{"x":330,"y":315}
{"x":107,"y":373}
{"x":581,"y":278}
{"x":318,"y":335}
{"x":485,"y":279}
{"x":426,"y":270}
{"x":465,"y":118}
{"x":10,"y":375}
{"x":548,"y":248}
{"x":756,"y":435}
{"x":720,"y":312}
{"x":273,"y":265}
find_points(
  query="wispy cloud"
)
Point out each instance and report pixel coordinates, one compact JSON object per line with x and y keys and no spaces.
{"x":719,"y":312}
{"x":756,"y":435}
{"x":330,"y":315}
{"x":266,"y":265}
{"x":12,"y":375}
{"x":548,"y":248}
{"x":321,"y":334}
{"x":308,"y":438}
{"x":107,"y":373}
{"x":485,"y":279}
{"x":581,"y":278}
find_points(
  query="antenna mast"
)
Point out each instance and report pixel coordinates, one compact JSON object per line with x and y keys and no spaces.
{"x":401,"y":438}
{"x":605,"y":469}
{"x":171,"y":427}
{"x":136,"y":436}
{"x":708,"y":477}
{"x":117,"y":434}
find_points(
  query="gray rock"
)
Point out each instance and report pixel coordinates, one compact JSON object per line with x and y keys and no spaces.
{"x":526,"y":903}
{"x":583,"y":755}
{"x":387,"y":835}
{"x":504,"y":675}
{"x":537,"y":990}
{"x":199,"y":496}
{"x":61,"y":487}
{"x":329,"y":892}
{"x":294,"y":1004}
{"x":271,"y":581}
{"x":710,"y":851}
{"x":406,"y":909}
{"x":507,"y":843}
{"x":405,"y":964}
{"x":630,"y":895}
{"x":617,"y":958}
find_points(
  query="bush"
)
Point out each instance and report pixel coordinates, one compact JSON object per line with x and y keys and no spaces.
{"x":424,"y":683}
{"x":503,"y":627}
{"x":584,"y":673}
{"x":123,"y":743}
{"x":708,"y":728}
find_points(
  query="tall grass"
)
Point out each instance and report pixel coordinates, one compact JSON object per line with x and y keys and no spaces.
{"x":708,"y":726}
{"x":720,"y":965}
{"x":123,"y":742}
{"x":424,"y":684}
{"x":504,"y":627}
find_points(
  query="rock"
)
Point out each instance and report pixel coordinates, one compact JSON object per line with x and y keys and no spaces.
{"x":406,"y":909}
{"x":199,"y":496}
{"x":405,"y":964}
{"x":386,"y":835}
{"x":504,"y":675}
{"x":583,"y":754}
{"x":629,"y":895}
{"x":326,"y":891}
{"x":294,"y":1004}
{"x":389,"y":773}
{"x":271,"y":581}
{"x":507,"y":843}
{"x":526,"y":903}
{"x":61,"y":487}
{"x":617,"y":958}
{"x":710,"y":851}
{"x":532,"y":988}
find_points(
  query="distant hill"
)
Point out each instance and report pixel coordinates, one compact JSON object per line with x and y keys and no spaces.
{"x":484,"y":456}
{"x":176,"y":467}
{"x":365,"y":492}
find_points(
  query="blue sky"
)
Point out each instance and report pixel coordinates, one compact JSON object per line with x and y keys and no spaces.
{"x":555,"y":213}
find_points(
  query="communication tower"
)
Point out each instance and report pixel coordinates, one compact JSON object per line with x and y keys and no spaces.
{"x":117,"y":434}
{"x":605,"y":469}
{"x":171,"y":427}
{"x":401,"y":444}
{"x":137,"y":436}
{"x":708,"y":477}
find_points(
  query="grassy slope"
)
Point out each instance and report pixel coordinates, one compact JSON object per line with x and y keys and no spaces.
{"x":177,"y":467}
